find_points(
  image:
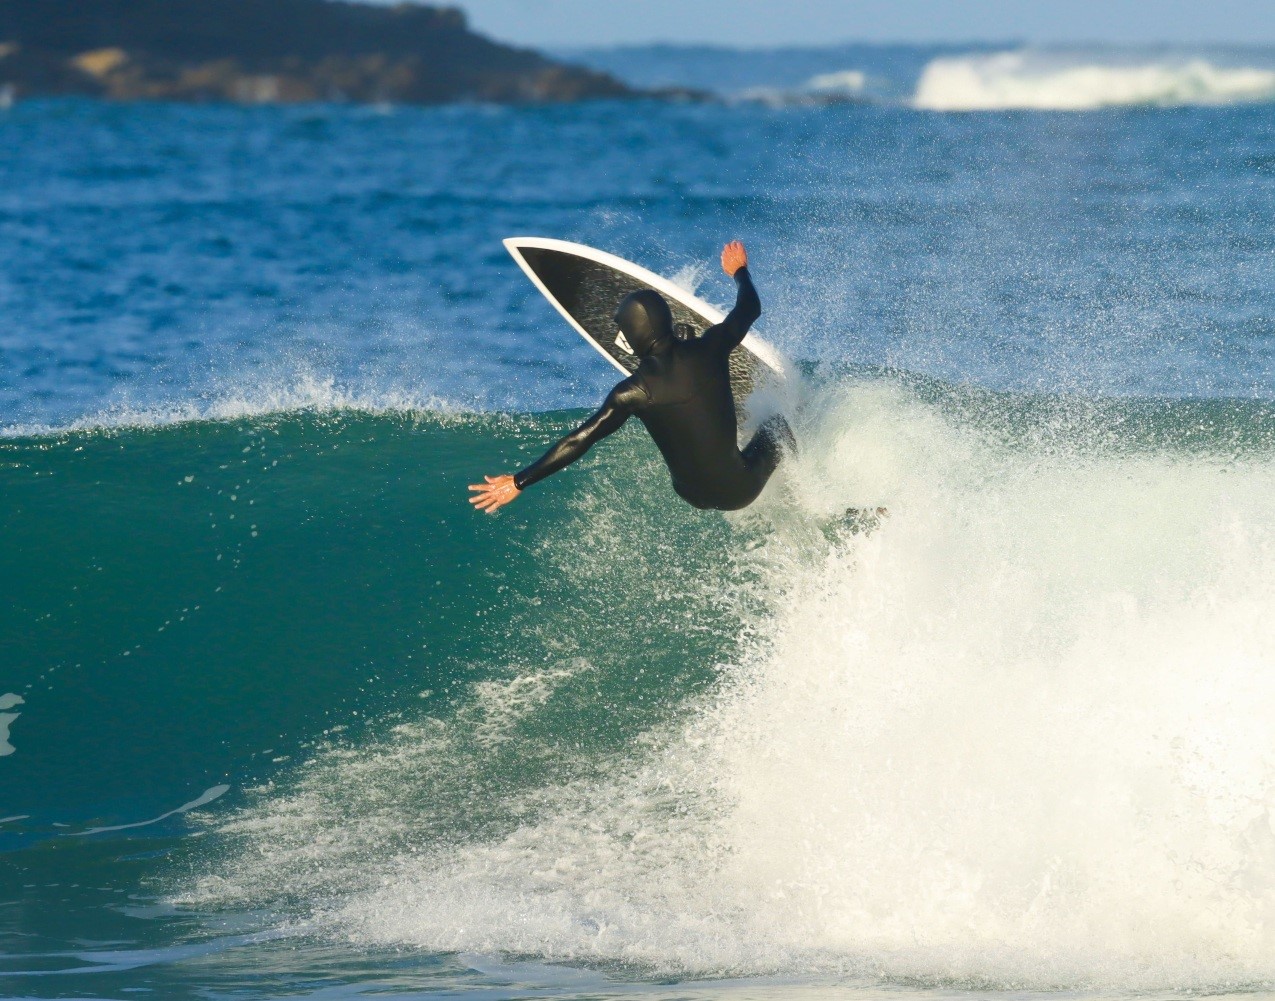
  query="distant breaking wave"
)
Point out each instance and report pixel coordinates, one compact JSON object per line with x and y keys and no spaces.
{"x":824,"y":88}
{"x":841,"y":82}
{"x":1057,"y":82}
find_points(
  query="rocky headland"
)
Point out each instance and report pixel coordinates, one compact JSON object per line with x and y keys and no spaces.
{"x":268,"y":51}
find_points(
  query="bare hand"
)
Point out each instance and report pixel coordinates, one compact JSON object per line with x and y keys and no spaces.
{"x":734,"y":257}
{"x":495,"y":493}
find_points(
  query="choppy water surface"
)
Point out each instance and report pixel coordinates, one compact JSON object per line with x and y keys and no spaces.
{"x":280,"y":716}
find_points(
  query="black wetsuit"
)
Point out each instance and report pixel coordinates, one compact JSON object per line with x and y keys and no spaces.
{"x":681,"y":392}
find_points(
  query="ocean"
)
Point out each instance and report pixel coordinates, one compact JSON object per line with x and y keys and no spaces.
{"x":281,"y":716}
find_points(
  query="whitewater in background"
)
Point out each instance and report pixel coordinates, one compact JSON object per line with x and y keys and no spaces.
{"x":952,"y":78}
{"x":1076,"y":82}
{"x":281,"y":716}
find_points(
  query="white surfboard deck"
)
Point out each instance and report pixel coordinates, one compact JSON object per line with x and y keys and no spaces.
{"x":586,"y":285}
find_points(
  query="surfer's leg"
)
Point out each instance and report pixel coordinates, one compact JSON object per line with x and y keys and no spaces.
{"x":739,"y":487}
{"x":762,"y":455}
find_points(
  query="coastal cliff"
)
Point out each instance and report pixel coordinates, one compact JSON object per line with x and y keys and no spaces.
{"x":265,"y":51}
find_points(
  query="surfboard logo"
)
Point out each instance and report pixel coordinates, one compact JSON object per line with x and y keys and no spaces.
{"x":622,"y":343}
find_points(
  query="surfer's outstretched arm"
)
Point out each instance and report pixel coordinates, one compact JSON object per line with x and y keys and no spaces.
{"x":747,"y":303}
{"x":621,"y":403}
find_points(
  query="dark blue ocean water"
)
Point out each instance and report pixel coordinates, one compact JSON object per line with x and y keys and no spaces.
{"x":281,"y":716}
{"x":161,"y":253}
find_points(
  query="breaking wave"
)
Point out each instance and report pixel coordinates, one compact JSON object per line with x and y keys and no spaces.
{"x":1063,"y":82}
{"x":1016,"y":737}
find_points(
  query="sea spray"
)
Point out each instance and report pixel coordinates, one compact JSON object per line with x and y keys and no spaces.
{"x":1015,"y":737}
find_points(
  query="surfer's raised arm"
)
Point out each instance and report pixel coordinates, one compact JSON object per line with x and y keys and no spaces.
{"x":747,"y":303}
{"x":621,"y":403}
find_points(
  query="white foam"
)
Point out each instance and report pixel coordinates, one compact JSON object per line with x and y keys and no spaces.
{"x":1043,"y":81}
{"x":1019,"y":737}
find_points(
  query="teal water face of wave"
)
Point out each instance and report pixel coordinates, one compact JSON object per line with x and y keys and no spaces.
{"x":224,"y":603}
{"x":191,"y":599}
{"x":1012,"y":738}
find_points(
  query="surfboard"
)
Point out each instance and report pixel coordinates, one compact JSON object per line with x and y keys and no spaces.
{"x":586,"y":285}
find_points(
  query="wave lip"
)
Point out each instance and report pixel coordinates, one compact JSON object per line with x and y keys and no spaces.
{"x":1024,"y":80}
{"x":305,"y":391}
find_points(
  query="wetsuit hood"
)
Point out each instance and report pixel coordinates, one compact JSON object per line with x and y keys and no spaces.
{"x":646,"y":321}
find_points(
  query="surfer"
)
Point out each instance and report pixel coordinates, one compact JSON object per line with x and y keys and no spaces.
{"x":681,"y":392}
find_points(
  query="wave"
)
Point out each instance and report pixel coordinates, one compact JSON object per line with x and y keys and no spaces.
{"x":850,"y":82}
{"x":190,"y":569}
{"x":839,"y":87}
{"x":1014,"y":738}
{"x":1078,"y":82}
